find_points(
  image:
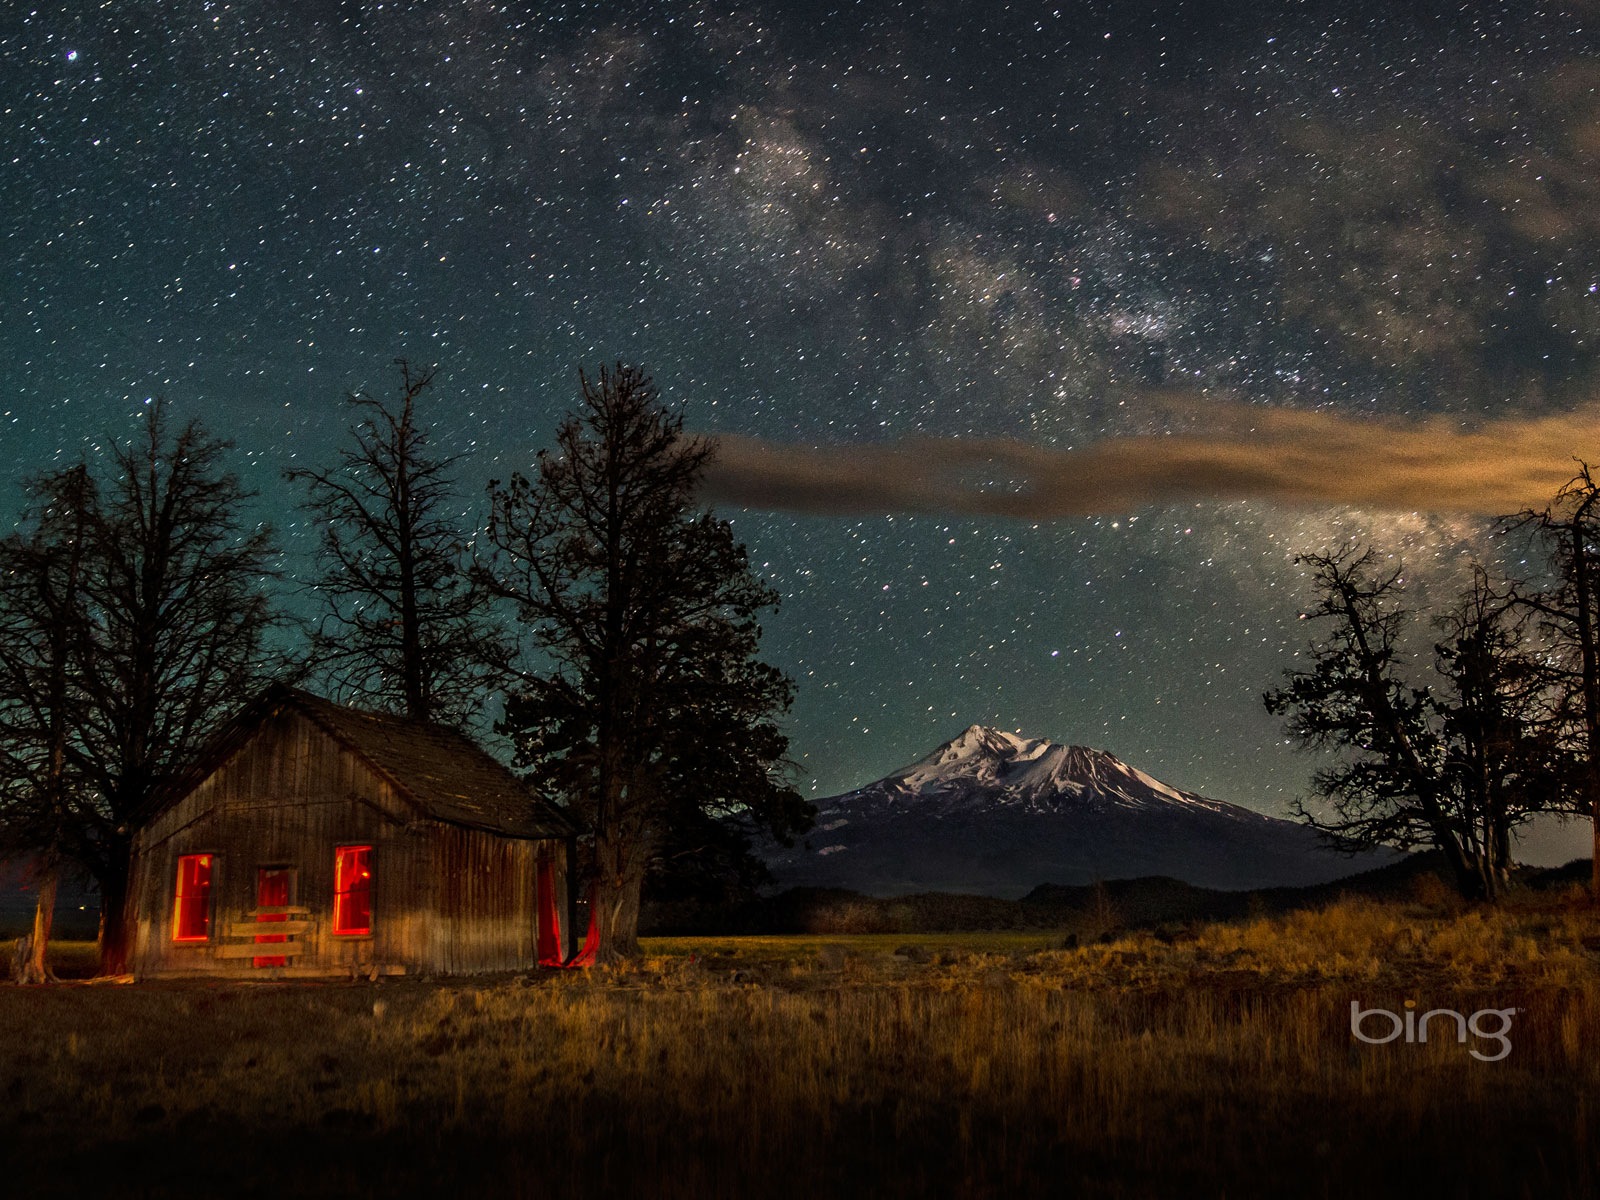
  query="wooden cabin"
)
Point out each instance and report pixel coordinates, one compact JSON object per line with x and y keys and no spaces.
{"x":315,"y":839}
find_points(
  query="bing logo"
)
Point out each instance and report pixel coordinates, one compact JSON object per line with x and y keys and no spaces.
{"x":1413,"y":1026}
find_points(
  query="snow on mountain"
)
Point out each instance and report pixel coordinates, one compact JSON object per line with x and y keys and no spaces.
{"x":989,"y":766}
{"x":996,"y":813}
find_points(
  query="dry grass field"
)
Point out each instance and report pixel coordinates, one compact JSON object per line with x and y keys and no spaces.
{"x":1203,"y":1062}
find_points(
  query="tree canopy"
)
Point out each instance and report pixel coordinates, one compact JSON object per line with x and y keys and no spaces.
{"x":134,"y":617}
{"x":1453,"y":761}
{"x":649,"y":711}
{"x":403,"y":628}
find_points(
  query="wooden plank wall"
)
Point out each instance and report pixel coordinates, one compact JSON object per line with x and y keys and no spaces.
{"x":445,"y":899}
{"x":487,"y":904}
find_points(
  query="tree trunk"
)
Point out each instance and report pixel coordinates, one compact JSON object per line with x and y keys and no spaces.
{"x":617,"y":899}
{"x":113,"y":917}
{"x":1594,"y":821}
{"x":1500,"y":863}
{"x":1589,"y":661}
{"x":573,"y":886}
{"x":1471,"y":873}
{"x":1405,"y":751}
{"x":34,"y":968}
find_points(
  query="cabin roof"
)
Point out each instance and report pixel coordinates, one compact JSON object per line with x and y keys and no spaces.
{"x":440,"y":770}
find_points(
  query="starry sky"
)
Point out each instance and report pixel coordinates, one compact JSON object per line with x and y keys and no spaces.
{"x":1203,"y":283}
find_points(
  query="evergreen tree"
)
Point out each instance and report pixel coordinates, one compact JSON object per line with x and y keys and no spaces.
{"x":652,"y":712}
{"x":404,"y":628}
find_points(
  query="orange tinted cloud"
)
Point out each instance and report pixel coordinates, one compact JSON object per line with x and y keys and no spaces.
{"x":1281,"y":456}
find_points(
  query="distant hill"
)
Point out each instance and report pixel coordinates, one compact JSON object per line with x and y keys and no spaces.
{"x":993,"y":813}
{"x":1084,"y":911}
{"x":1154,"y":900}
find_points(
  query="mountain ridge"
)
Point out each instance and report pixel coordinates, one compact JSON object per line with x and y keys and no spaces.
{"x":997,"y":813}
{"x":1035,"y":769}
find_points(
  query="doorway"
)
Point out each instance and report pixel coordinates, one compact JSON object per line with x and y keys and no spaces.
{"x":273,"y":885}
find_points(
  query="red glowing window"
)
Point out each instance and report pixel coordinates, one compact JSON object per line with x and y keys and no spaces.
{"x":352,"y":889}
{"x":191,"y":920}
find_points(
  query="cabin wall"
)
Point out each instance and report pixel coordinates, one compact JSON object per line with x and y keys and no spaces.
{"x":485,"y":901}
{"x":444,"y":899}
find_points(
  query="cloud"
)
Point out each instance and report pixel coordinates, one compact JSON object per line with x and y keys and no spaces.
{"x":1280,"y":456}
{"x":1434,"y":247}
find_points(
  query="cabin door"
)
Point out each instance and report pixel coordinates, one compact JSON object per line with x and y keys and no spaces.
{"x":272,"y":891}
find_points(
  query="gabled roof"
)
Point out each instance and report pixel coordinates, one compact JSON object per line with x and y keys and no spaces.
{"x":445,"y":774}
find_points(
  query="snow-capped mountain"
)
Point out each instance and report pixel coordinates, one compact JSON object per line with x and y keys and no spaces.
{"x":994,"y":813}
{"x":991,"y":767}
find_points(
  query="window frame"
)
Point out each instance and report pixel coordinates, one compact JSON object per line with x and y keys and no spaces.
{"x":340,"y":897}
{"x":207,"y":893}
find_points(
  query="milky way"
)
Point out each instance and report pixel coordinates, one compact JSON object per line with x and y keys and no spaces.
{"x":837,"y":227}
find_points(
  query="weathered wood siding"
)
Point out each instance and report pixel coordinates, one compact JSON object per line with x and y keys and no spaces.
{"x":445,"y":899}
{"x":486,"y":903}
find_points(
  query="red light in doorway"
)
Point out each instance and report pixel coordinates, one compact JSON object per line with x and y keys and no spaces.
{"x":272,"y":891}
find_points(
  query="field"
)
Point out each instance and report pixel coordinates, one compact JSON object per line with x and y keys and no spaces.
{"x":1212,"y":1060}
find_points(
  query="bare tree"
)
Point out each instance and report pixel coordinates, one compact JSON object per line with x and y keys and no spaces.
{"x":43,"y":629}
{"x":404,"y":627}
{"x":1454,"y":764}
{"x":1570,"y":612}
{"x":1500,"y":721}
{"x":175,"y":579}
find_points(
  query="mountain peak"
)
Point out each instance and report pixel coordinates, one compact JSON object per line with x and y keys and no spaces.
{"x":986,"y":765}
{"x":992,"y":812}
{"x":979,"y":739}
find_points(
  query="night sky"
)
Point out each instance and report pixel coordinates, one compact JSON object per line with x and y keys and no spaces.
{"x":1211,"y":280}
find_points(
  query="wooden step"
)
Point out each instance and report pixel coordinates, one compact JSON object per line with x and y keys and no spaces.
{"x":261,"y":950}
{"x":239,"y":929}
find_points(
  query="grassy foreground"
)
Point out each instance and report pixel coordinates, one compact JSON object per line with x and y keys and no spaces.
{"x":1215,"y":1061}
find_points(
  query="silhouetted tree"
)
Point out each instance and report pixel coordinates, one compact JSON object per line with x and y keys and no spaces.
{"x":404,"y":628}
{"x":43,"y":631}
{"x":1569,"y":611}
{"x":1456,"y":766}
{"x":1500,"y":719}
{"x":653,"y":712}
{"x":174,"y":580}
